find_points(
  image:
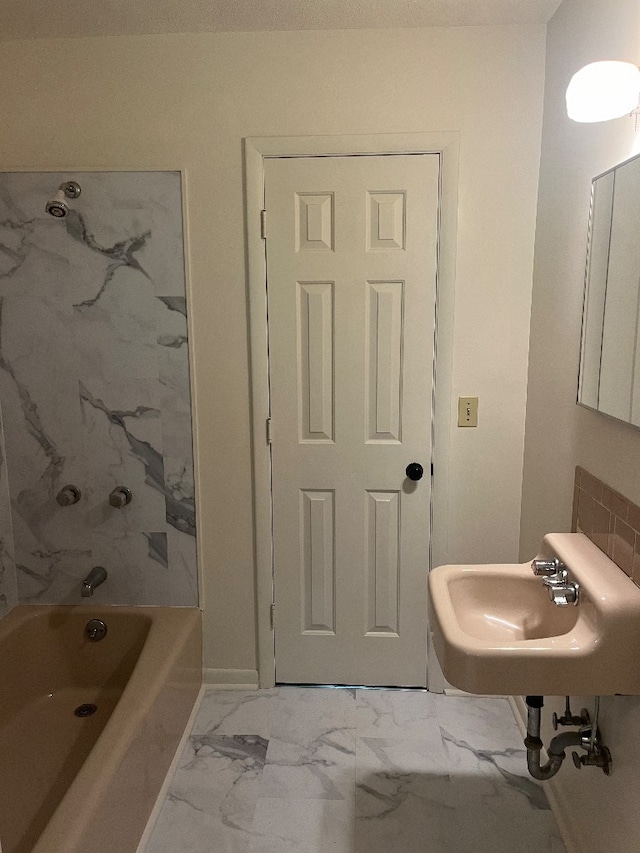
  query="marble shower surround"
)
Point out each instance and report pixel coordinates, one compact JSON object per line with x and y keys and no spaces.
{"x":94,"y":386}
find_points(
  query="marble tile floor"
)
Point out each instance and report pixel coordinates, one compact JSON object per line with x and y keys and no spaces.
{"x":321,"y":770}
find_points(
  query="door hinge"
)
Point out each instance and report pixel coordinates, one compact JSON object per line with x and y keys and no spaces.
{"x":273,"y":616}
{"x":269,"y":431}
{"x":263,"y":224}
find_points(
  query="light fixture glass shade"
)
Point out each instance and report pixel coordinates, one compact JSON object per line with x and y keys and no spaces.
{"x":602,"y":91}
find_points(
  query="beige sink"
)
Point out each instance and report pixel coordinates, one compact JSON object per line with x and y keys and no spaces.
{"x":496,"y":631}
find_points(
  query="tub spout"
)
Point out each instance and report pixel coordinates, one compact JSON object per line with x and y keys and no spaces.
{"x":96,"y":576}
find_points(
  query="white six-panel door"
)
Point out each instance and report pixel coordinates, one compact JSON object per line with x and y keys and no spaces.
{"x":351,"y":272}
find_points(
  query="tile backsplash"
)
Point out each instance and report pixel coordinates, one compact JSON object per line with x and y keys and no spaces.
{"x":610,"y":520}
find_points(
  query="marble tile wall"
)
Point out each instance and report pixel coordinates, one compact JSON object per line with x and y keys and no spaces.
{"x":94,"y":386}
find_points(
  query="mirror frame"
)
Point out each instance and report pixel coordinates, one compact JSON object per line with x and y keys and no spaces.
{"x":609,"y":367}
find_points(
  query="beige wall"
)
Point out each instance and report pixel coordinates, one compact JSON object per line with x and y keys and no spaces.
{"x":188,"y":100}
{"x":560,"y":434}
{"x":601,"y":813}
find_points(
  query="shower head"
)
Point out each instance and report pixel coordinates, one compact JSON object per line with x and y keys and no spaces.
{"x":57,"y":206}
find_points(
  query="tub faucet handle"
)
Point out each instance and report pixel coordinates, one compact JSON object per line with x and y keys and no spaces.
{"x":68,"y":495}
{"x":96,"y":576}
{"x":120,"y":496}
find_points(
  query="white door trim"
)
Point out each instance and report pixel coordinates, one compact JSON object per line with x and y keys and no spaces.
{"x":256,"y":150}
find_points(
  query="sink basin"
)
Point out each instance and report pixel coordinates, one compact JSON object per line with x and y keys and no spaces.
{"x":502,"y":606}
{"x":496,"y":631}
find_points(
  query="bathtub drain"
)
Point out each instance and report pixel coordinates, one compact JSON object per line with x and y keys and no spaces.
{"x":85,"y":710}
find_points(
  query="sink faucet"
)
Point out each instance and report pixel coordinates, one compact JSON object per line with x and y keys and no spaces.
{"x":96,"y":576}
{"x":562,"y":591}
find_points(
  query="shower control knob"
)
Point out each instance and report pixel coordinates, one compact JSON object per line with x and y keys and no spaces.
{"x":414,"y":471}
{"x":68,"y":495}
{"x":120,"y":496}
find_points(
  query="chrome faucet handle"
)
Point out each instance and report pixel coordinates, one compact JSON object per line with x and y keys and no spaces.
{"x":562,"y":595}
{"x":546,"y":568}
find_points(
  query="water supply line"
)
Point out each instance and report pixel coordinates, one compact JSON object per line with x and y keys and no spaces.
{"x":594,"y":727}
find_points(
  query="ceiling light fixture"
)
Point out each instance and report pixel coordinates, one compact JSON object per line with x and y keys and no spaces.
{"x":603,"y":90}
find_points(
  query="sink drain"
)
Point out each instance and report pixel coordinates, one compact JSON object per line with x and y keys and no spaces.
{"x":85,"y":710}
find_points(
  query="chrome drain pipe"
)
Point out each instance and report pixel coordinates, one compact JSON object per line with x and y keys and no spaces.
{"x":556,"y":751}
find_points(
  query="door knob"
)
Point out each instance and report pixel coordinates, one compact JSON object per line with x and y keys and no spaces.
{"x":414,"y":471}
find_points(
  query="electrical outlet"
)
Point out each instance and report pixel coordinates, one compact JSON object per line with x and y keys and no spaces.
{"x":467,"y":411}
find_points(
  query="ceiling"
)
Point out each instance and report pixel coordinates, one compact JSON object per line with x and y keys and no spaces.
{"x":59,"y":18}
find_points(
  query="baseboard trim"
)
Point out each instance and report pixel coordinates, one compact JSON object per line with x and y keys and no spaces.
{"x":231,"y":679}
{"x":553,"y":788}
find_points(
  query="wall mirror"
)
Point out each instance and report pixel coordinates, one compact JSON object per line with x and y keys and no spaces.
{"x":610,"y":353}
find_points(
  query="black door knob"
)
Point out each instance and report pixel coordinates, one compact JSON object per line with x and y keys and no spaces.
{"x":414,"y":471}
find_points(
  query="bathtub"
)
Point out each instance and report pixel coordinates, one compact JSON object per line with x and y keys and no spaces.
{"x":88,"y":782}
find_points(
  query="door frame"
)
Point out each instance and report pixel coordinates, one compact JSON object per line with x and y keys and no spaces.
{"x":256,"y":151}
